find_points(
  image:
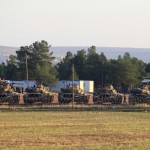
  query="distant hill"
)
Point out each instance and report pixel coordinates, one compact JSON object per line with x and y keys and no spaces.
{"x":8,"y":50}
{"x":110,"y":52}
{"x":5,"y":52}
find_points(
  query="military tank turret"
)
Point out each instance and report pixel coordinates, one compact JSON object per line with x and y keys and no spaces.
{"x":8,"y":94}
{"x":106,"y":94}
{"x":38,"y":94}
{"x":66,"y":95}
{"x":139,"y":95}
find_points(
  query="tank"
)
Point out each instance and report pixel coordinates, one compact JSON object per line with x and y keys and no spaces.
{"x":8,"y":94}
{"x":38,"y":94}
{"x":80,"y":97}
{"x":107,"y":94}
{"x":139,"y":95}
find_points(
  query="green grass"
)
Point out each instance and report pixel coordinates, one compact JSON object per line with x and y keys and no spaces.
{"x":113,"y":108}
{"x":75,"y":130}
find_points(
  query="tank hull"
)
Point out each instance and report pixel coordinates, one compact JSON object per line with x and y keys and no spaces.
{"x":10,"y":99}
{"x":66,"y":98}
{"x":139,"y":96}
{"x":139,"y":99}
{"x":107,"y":98}
{"x":31,"y":98}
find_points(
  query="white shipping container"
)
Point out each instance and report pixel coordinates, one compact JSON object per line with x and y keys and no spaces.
{"x":89,"y":86}
{"x":85,"y":85}
{"x":22,"y":84}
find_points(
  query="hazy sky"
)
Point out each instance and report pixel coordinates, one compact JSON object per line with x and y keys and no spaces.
{"x":121,"y":23}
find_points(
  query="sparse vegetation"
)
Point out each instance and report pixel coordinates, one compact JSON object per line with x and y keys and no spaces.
{"x":75,"y":130}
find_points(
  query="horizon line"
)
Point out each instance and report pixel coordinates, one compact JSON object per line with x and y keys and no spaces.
{"x":90,"y":46}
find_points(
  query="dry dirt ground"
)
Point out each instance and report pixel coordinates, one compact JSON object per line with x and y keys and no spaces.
{"x":75,"y":130}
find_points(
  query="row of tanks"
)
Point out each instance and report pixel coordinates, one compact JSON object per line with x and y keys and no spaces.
{"x":102,"y":95}
{"x":109,"y":95}
{"x":40,"y":94}
{"x":31,"y":95}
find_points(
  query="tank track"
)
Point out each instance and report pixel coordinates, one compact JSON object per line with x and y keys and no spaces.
{"x":33,"y":98}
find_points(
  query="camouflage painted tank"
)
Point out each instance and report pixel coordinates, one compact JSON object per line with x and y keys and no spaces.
{"x":38,"y":94}
{"x":107,"y":94}
{"x":66,"y":95}
{"x":8,"y":94}
{"x":139,"y":96}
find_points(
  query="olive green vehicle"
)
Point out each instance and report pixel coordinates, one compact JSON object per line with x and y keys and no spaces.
{"x":8,"y":94}
{"x":66,"y":96}
{"x":38,"y":94}
{"x":107,"y":94}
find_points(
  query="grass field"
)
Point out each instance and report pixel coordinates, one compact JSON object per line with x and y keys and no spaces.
{"x":95,"y":130}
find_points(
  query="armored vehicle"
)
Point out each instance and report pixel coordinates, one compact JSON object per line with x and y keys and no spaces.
{"x":8,"y":94}
{"x":106,"y":94}
{"x":38,"y":94}
{"x":139,"y":95}
{"x":66,"y":95}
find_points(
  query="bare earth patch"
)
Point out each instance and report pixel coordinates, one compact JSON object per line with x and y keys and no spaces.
{"x":75,"y":130}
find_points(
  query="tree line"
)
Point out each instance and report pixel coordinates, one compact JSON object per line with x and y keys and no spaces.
{"x":89,"y":65}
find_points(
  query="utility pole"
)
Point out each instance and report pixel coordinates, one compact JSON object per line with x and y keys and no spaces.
{"x":102,"y":84}
{"x":72,"y":85}
{"x":27,"y":70}
{"x":102,"y":75}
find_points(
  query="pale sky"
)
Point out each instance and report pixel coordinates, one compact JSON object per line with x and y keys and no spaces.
{"x":121,"y":23}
